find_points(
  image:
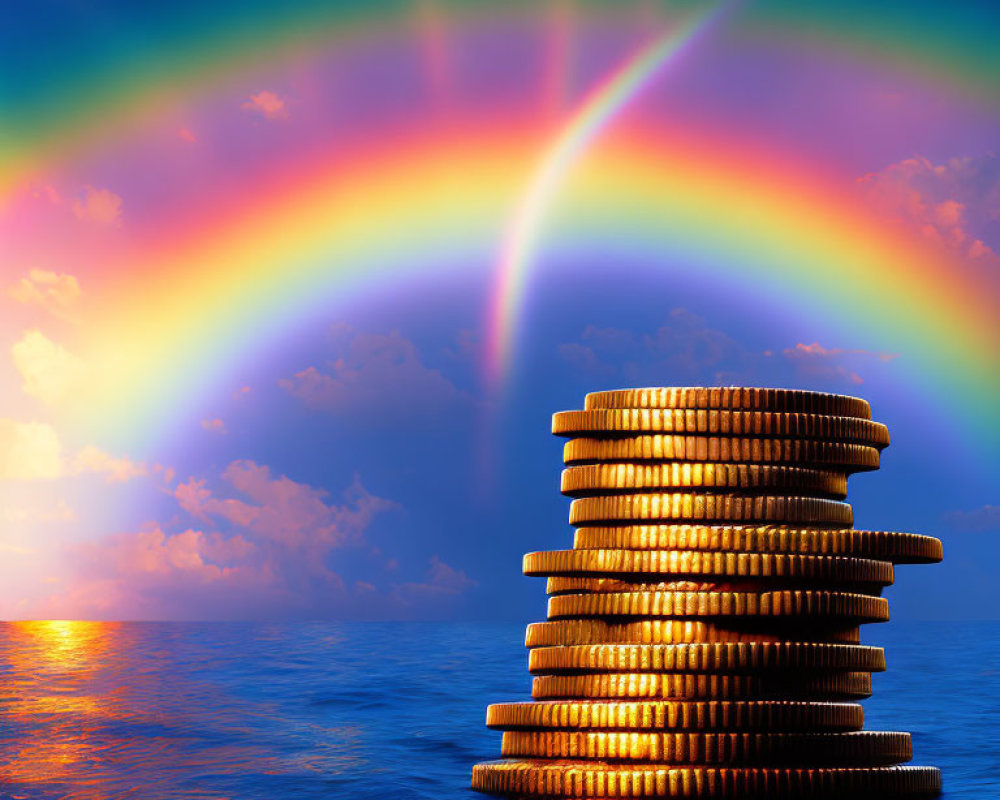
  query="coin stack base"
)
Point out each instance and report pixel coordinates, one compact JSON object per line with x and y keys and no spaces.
{"x":702,"y":637}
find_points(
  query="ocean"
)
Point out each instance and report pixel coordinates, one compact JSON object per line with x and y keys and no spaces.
{"x":100,"y":711}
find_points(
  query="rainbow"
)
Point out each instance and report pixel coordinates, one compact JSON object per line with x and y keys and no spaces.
{"x":596,"y":112}
{"x":215,"y":290}
{"x":790,"y":235}
{"x":83,"y":105}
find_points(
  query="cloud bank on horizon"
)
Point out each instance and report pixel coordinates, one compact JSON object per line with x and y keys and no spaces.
{"x":246,"y":305}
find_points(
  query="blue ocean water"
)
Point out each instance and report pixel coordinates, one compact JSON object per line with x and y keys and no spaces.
{"x":327,"y":710}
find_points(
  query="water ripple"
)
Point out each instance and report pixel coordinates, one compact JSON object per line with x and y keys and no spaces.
{"x":102,"y":711}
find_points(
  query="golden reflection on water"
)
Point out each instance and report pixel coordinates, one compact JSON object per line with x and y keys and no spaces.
{"x":101,"y":711}
{"x":48,"y":677}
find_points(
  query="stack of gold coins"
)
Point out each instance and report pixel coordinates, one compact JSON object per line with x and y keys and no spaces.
{"x":702,"y":634}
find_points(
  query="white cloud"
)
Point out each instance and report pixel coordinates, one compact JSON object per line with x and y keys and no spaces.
{"x":984,"y":518}
{"x":48,"y":369}
{"x":17,"y":514}
{"x":375,"y":376}
{"x":115,"y":470}
{"x":29,"y":450}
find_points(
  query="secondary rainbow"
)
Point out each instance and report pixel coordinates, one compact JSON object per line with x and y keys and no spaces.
{"x":596,"y":112}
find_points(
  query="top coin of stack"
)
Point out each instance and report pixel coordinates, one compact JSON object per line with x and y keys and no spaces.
{"x":702,"y":637}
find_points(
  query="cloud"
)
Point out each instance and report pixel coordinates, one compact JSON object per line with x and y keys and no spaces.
{"x":152,"y":574}
{"x":684,"y":350}
{"x":374,"y":376}
{"x":49,"y":193}
{"x":29,"y":450}
{"x":687,"y":350}
{"x":214,"y":425}
{"x":585,"y":359}
{"x":279,"y":509}
{"x":191,"y":552}
{"x":267,"y":103}
{"x":955,"y":204}
{"x":60,"y":512}
{"x":985,"y":518}
{"x":98,"y":205}
{"x":198,"y":501}
{"x":115,"y":469}
{"x":185,"y":135}
{"x":826,"y":363}
{"x":56,"y":292}
{"x":295,"y":513}
{"x":33,"y":451}
{"x":688,"y":347}
{"x":441,"y":580}
{"x":262,"y":545}
{"x":49,"y":370}
{"x":252,"y":544}
{"x":467,"y":347}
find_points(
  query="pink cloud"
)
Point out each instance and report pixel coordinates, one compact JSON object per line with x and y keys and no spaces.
{"x":583,"y":358}
{"x":267,"y":103}
{"x":155,"y":551}
{"x":55,"y":292}
{"x":98,"y":205}
{"x":688,"y":350}
{"x":150,"y":574}
{"x":294,"y":513}
{"x":265,"y":552}
{"x":116,"y":469}
{"x":166,"y":473}
{"x":685,"y":348}
{"x":214,"y":425}
{"x":441,"y":580}
{"x":827,"y":363}
{"x":984,"y":518}
{"x":955,"y":204}
{"x":185,"y":135}
{"x":198,"y":501}
{"x":50,"y":193}
{"x":282,"y":511}
{"x":375,"y":375}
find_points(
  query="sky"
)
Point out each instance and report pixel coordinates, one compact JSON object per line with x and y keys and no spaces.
{"x":289,"y":292}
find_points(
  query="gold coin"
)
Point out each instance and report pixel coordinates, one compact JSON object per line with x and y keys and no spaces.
{"x":732,"y":397}
{"x":688,"y":686}
{"x":738,"y":715}
{"x":664,"y":447}
{"x":857,"y":748}
{"x":674,"y":631}
{"x":594,"y":479}
{"x":792,"y":603}
{"x":820,"y":569}
{"x":900,"y":548}
{"x":707,"y":657}
{"x":560,"y":584}
{"x":617,"y":421}
{"x":708,"y":507}
{"x":595,"y":780}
